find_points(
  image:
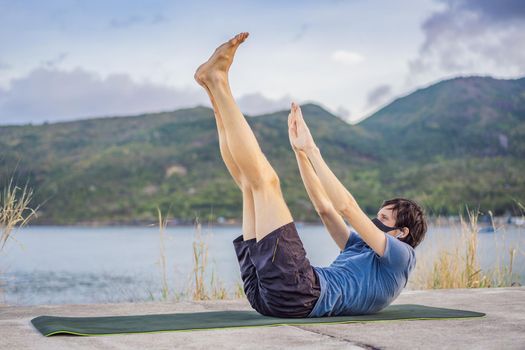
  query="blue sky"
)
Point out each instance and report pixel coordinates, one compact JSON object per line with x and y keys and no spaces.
{"x":64,"y":60}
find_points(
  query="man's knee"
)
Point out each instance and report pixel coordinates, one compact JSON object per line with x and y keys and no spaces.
{"x":267,"y":179}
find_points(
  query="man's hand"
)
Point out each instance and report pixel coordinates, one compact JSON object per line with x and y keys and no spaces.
{"x":300,"y":137}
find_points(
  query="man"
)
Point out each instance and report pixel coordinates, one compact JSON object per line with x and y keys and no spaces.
{"x":278,"y":278}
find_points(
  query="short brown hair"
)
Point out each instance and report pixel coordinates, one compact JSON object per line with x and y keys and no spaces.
{"x":409,"y":214}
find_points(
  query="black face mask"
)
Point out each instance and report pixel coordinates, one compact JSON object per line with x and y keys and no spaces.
{"x":382,"y":226}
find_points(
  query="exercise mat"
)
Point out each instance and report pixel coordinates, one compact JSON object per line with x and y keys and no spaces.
{"x":105,"y":325}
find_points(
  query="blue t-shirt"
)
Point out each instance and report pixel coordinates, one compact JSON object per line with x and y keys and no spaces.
{"x":360,"y":281}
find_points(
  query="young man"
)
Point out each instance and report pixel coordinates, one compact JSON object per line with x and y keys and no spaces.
{"x":278,"y":279}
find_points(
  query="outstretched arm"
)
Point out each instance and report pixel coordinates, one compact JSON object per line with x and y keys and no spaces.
{"x":341,"y":199}
{"x":333,"y":222}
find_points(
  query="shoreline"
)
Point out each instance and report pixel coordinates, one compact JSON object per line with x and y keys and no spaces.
{"x":497,"y":221}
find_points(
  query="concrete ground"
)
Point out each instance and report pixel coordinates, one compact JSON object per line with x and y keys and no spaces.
{"x":502,"y":328}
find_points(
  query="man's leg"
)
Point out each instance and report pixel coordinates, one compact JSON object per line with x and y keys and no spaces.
{"x":241,"y":244}
{"x":271,"y":211}
{"x":285,"y":279}
{"x":248,"y":208}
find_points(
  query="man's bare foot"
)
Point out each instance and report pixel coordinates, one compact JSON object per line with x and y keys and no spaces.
{"x":219,"y":63}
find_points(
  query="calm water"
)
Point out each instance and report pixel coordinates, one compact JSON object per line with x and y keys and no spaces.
{"x":59,"y":265}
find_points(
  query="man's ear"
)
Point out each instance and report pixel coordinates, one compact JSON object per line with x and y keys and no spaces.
{"x":406,"y":231}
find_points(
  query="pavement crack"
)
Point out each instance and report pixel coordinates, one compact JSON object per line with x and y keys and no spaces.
{"x":363,"y":345}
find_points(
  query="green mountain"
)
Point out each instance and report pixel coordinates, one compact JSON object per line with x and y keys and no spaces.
{"x":458,"y":142}
{"x":462,"y":117}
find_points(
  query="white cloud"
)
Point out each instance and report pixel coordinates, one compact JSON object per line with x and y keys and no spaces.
{"x":378,"y":95}
{"x":472,"y":37}
{"x":343,"y":113}
{"x":50,"y":94}
{"x":4,"y":66}
{"x":256,"y":103}
{"x":347,"y":57}
{"x":55,"y":61}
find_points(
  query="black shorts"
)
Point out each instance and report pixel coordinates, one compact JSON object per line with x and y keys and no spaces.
{"x":278,"y":278}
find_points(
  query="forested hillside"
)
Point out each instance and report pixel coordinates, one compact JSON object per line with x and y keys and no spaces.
{"x":458,"y":142}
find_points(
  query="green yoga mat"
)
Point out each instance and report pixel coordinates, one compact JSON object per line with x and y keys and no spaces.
{"x":105,"y":325}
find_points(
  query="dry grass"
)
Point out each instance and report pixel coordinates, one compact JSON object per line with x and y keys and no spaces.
{"x":200,"y":287}
{"x":238,"y":293}
{"x":14,"y":212}
{"x":14,"y":209}
{"x":162,"y":260}
{"x":200,"y":291}
{"x":459,"y":267}
{"x":218,"y":291}
{"x":200,"y":263}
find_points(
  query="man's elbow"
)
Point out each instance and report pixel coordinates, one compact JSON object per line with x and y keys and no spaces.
{"x":348,"y":208}
{"x":324,"y":208}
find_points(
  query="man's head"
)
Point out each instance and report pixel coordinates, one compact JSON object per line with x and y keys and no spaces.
{"x":408,"y":218}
